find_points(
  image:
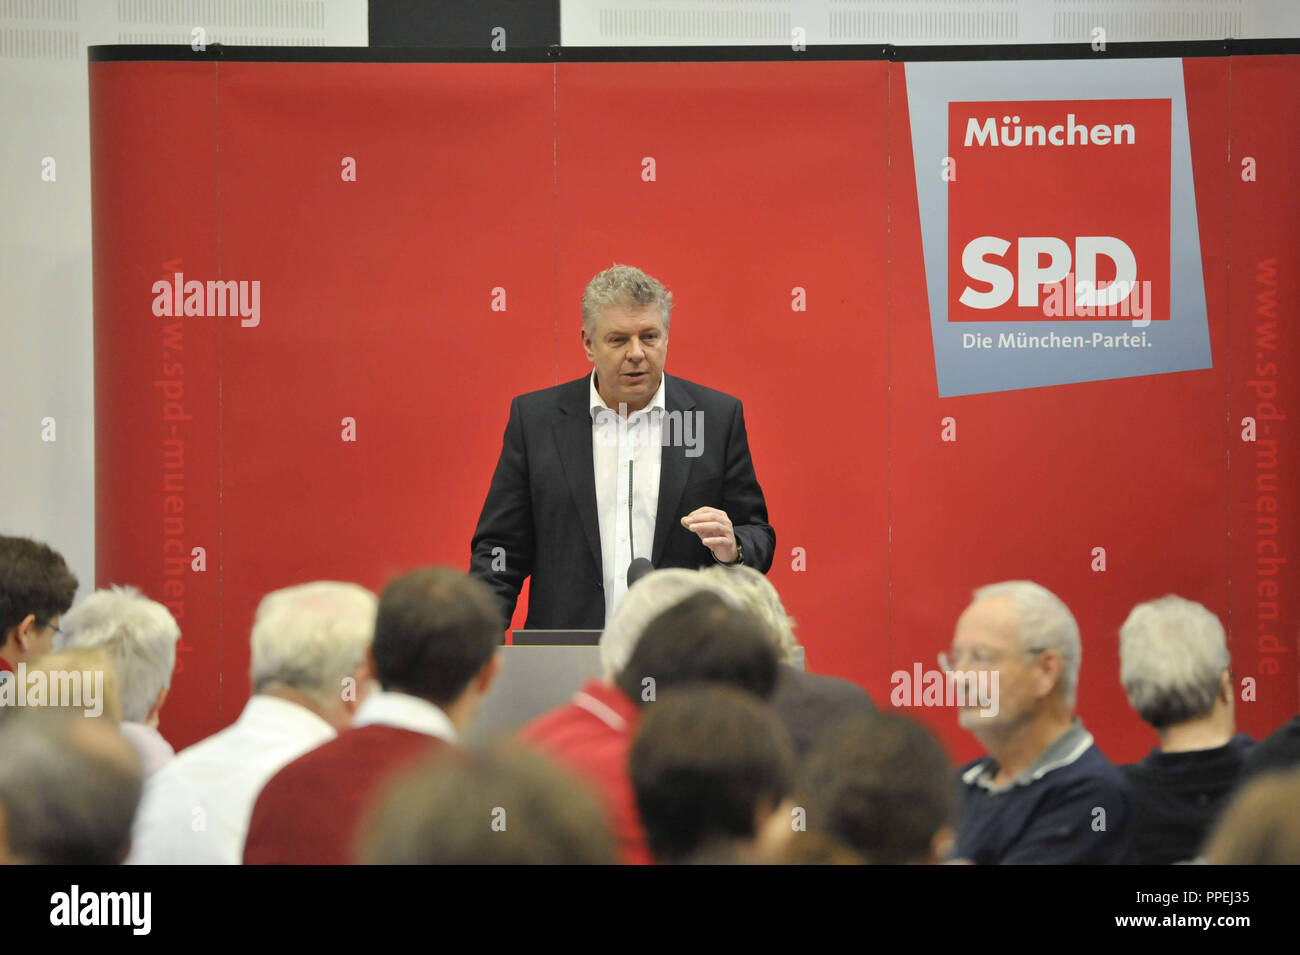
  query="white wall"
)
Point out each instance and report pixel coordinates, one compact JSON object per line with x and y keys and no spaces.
{"x":916,"y":22}
{"x":46,"y":347}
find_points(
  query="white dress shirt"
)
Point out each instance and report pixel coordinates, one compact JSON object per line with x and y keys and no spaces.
{"x":386,"y":708}
{"x":154,"y":751}
{"x":195,"y":809}
{"x":617,"y":445}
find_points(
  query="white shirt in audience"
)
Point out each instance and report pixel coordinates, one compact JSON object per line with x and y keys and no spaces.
{"x":195,"y":810}
{"x":155,"y":752}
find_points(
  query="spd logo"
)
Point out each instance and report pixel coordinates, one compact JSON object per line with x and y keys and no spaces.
{"x":1059,"y":210}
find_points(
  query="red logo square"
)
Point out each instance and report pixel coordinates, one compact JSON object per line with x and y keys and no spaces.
{"x":1052,"y":201}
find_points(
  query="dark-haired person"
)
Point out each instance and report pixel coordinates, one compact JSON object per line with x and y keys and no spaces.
{"x":881,"y":785}
{"x":1174,"y":661}
{"x":69,"y":788}
{"x":710,"y":766}
{"x":504,"y":807}
{"x":807,"y":704}
{"x":36,"y":589}
{"x":702,"y":637}
{"x":435,"y":656}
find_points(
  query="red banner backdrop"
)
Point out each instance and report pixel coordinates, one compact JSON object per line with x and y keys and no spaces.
{"x":421,"y":234}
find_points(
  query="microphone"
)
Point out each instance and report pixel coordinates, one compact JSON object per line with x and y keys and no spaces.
{"x":638,"y":569}
{"x":640,"y":566}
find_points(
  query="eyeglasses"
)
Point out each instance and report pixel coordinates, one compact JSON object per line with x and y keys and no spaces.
{"x":57,"y":630}
{"x":979,"y":658}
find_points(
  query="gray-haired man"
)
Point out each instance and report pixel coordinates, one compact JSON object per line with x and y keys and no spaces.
{"x":1045,"y":793}
{"x":620,"y":464}
{"x":1174,"y":666}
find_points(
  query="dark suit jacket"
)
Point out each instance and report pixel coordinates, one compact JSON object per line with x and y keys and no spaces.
{"x":541,"y":506}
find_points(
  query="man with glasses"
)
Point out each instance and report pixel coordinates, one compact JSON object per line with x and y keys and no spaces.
{"x":36,"y":589}
{"x":1044,"y":793}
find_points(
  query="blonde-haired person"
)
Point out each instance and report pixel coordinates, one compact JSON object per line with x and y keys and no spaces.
{"x":77,"y":680}
{"x":807,"y":704}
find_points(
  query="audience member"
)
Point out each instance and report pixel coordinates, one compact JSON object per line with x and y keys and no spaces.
{"x":498,"y":808}
{"x":435,"y":656}
{"x":807,"y":703}
{"x":701,"y":639}
{"x":36,"y":589}
{"x":1174,"y":668}
{"x":881,"y":785}
{"x":1260,"y":825}
{"x":84,"y":681}
{"x":139,"y":635}
{"x":1045,"y":793}
{"x":805,"y":848}
{"x":1279,"y":751}
{"x":703,"y":635}
{"x":68,"y":790}
{"x":309,"y":646}
{"x":709,"y":764}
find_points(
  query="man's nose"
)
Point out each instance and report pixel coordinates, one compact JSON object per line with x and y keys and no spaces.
{"x":635,"y":352}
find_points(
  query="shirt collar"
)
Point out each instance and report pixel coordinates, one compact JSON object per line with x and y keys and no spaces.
{"x":597,"y":403}
{"x":1063,"y":751}
{"x":608,"y":704}
{"x":262,"y":709}
{"x":387,"y":708}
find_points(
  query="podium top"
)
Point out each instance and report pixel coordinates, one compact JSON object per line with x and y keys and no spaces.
{"x":555,"y":638}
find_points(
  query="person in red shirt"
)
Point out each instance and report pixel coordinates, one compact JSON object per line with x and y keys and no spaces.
{"x":36,"y":589}
{"x":705,"y":637}
{"x":435,"y":656}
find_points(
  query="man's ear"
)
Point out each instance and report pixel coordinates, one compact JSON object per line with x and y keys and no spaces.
{"x":587,"y":344}
{"x":155,"y":712}
{"x":23,"y":632}
{"x":363,"y":679}
{"x":1052,"y":668}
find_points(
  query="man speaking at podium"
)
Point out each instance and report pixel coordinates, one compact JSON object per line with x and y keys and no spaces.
{"x":619,"y":472}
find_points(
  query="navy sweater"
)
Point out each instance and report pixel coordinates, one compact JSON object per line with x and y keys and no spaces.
{"x":1052,"y":820}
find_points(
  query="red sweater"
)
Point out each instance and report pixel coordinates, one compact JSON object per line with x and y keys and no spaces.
{"x":311,"y":811}
{"x":591,"y":736}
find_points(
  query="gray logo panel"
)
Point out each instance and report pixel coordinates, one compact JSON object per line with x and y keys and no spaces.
{"x":1180,"y":344}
